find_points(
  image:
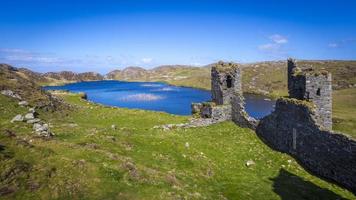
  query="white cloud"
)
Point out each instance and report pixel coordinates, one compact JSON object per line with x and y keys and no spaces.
{"x":146,"y":60}
{"x":333,"y":45}
{"x":45,"y":61}
{"x":278,"y":39}
{"x":275,"y":47}
{"x":342,"y":43}
{"x":268,"y":47}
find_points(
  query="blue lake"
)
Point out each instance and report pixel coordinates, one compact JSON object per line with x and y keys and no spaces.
{"x":155,"y":96}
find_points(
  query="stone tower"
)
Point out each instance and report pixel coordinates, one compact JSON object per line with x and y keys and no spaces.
{"x":305,"y":83}
{"x":225,"y":82}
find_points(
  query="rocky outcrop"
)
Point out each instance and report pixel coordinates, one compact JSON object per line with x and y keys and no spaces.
{"x":11,"y":94}
{"x":14,"y":84}
{"x":39,"y":127}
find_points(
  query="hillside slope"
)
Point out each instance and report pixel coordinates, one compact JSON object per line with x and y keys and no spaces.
{"x":88,"y":159}
{"x":58,"y":78}
{"x":13,"y":80}
{"x":268,"y":78}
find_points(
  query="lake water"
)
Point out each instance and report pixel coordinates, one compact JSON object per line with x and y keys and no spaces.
{"x":156,"y":96}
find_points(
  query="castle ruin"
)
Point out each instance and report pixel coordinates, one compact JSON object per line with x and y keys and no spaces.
{"x":227,"y":97}
{"x":300,"y":125}
{"x":304,"y":83}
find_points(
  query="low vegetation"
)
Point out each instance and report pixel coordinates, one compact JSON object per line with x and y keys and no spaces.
{"x":101,"y":152}
{"x":344,"y":109}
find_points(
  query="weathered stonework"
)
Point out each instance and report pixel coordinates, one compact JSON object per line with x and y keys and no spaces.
{"x":300,"y":125}
{"x":293,"y":128}
{"x":210,"y":110}
{"x":239,"y":114}
{"x":227,"y":97}
{"x":225,"y":82}
{"x":306,"y":84}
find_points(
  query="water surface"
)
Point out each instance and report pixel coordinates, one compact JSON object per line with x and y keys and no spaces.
{"x":155,"y":96}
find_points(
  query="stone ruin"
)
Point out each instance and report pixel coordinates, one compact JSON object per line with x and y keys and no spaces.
{"x":304,"y":83}
{"x":227,"y":97}
{"x":300,"y":125}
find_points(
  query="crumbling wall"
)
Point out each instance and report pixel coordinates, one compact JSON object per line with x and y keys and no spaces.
{"x":305,"y":83}
{"x":293,"y":128}
{"x":211,"y":110}
{"x":239,"y":114}
{"x":227,"y":97}
{"x":225,"y":82}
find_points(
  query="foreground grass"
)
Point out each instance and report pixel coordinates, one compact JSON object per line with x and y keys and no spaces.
{"x":88,"y":159}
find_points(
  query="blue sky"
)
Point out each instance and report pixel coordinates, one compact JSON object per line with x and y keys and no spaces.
{"x":112,"y":34}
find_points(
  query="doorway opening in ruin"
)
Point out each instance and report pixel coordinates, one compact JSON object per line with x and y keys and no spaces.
{"x":228,"y":81}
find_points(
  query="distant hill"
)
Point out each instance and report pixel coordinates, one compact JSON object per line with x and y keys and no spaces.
{"x":22,"y":82}
{"x":268,"y":78}
{"x":181,"y":75}
{"x":58,"y":78}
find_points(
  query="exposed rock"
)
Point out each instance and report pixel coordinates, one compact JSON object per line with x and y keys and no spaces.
{"x":10,"y":93}
{"x":83,"y":95}
{"x":113,"y":126}
{"x":72,"y":125}
{"x":249,"y":163}
{"x":196,"y":107}
{"x":39,"y":127}
{"x":186,"y":145}
{"x":32,"y":110}
{"x":29,"y":116}
{"x":42,"y":130}
{"x":17,"y":118}
{"x":32,"y":121}
{"x":23,"y":103}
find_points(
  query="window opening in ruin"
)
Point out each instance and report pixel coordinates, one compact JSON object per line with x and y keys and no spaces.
{"x":228,"y":81}
{"x":318,"y":92}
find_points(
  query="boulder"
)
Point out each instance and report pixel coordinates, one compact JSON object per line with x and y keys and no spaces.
{"x":249,"y":163}
{"x":10,"y":93}
{"x":39,"y":127}
{"x":29,"y":116}
{"x":32,"y":121}
{"x":32,"y":110}
{"x":23,"y":103}
{"x":17,"y":118}
{"x":42,"y":130}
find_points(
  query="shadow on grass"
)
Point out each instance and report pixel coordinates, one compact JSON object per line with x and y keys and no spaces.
{"x":290,"y":186}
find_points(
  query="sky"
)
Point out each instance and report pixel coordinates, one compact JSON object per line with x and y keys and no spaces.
{"x":104,"y":35}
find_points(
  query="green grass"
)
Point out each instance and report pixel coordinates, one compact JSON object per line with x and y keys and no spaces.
{"x":87,"y":159}
{"x":344,"y":109}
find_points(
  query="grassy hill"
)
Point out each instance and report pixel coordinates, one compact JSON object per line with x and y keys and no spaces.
{"x":88,"y":159}
{"x":268,"y":78}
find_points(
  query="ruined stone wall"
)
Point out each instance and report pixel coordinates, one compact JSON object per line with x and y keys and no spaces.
{"x":228,"y":97}
{"x":212,"y":111}
{"x":225,"y":82}
{"x":319,"y":91}
{"x":239,"y":114}
{"x":293,"y":128}
{"x":306,"y":84}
